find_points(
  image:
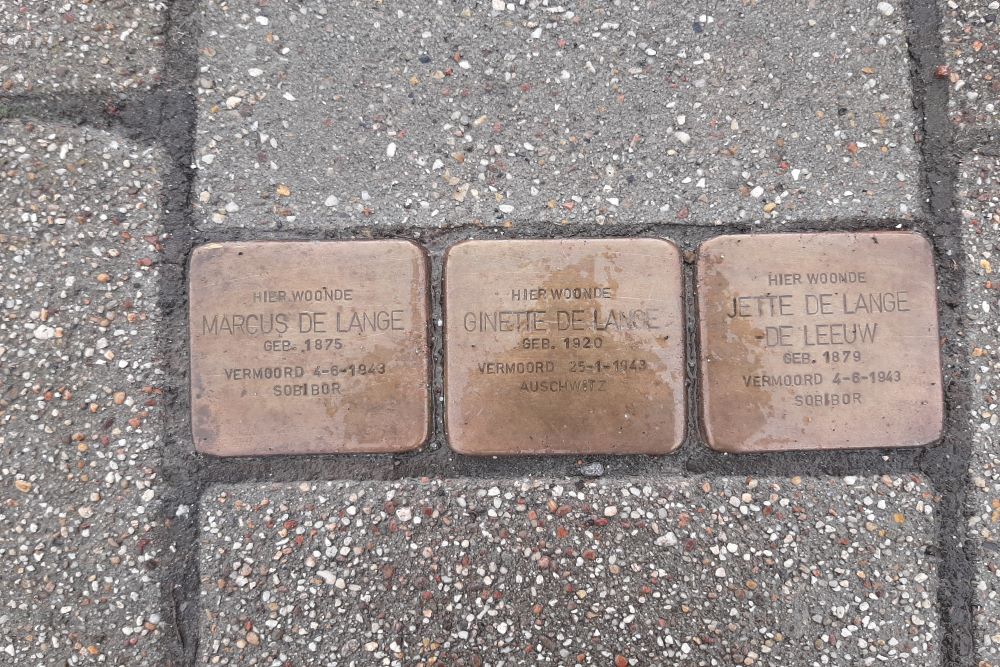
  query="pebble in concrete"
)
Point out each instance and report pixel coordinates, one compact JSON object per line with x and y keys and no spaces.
{"x":971,"y":35}
{"x":79,"y":412}
{"x":111,"y":45}
{"x":793,"y":571}
{"x":979,"y":207}
{"x":503,"y":113}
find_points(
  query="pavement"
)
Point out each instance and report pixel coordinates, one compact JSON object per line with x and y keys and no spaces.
{"x":132,"y":131}
{"x":639,"y":572}
{"x":610,"y":114}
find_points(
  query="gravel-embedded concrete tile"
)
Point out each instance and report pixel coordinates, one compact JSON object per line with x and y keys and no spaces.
{"x":493,"y":113}
{"x":971,"y":34}
{"x":80,"y":429}
{"x":672,"y":571}
{"x":979,"y":205}
{"x":49,"y":46}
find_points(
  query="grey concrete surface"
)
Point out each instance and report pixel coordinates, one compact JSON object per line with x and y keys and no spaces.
{"x":531,"y":119}
{"x":971,"y":42}
{"x":517,"y":113}
{"x":979,"y":205}
{"x":791,"y":572}
{"x":79,"y":410}
{"x":52,"y":46}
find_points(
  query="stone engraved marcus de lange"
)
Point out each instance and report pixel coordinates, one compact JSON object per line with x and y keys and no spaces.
{"x":308,"y":347}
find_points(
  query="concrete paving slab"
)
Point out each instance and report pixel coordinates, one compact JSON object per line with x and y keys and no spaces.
{"x":971,"y":35}
{"x":494,"y":113}
{"x":54,"y":47}
{"x":978,"y":191}
{"x":783,"y":571}
{"x":80,"y":429}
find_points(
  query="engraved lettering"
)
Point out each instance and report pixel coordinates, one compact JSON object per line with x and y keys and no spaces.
{"x":264,"y":373}
{"x":516,"y":367}
{"x":777,"y":279}
{"x":882,"y":302}
{"x":369,"y":321}
{"x":836,"y":277}
{"x":764,"y":305}
{"x":788,"y":380}
{"x":838,"y":334}
{"x":245,"y":324}
{"x":322,"y":294}
{"x":505,"y":320}
{"x":626,"y":319}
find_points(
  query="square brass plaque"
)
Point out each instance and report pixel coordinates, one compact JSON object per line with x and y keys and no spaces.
{"x":819,"y":341}
{"x":309,"y":347}
{"x":564,"y":346}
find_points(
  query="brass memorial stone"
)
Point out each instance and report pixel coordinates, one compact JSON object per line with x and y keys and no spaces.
{"x":564,"y":346}
{"x":308,"y":347}
{"x":819,"y":341}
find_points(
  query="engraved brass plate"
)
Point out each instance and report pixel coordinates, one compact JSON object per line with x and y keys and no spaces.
{"x":564,"y":346}
{"x":819,"y":341}
{"x":308,"y":347}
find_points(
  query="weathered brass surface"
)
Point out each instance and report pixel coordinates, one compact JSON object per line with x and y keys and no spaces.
{"x":308,"y":347}
{"x":564,"y":346}
{"x":818,"y":341}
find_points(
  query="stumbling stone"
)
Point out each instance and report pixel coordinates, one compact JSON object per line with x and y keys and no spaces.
{"x":309,"y":347}
{"x":564,"y":346}
{"x":819,"y":341}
